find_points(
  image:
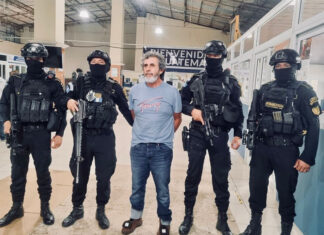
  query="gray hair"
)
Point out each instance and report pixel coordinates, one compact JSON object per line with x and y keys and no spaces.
{"x":162,"y":64}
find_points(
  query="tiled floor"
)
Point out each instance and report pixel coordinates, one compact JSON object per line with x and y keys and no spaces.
{"x":119,"y":206}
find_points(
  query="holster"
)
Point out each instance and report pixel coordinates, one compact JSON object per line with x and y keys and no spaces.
{"x":185,"y":138}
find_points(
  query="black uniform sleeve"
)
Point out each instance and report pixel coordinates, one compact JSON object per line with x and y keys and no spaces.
{"x":310,"y":110}
{"x":5,"y":100}
{"x":186,"y":97}
{"x":235,"y":98}
{"x":121,"y":101}
{"x":58,"y":95}
{"x":61,"y":130}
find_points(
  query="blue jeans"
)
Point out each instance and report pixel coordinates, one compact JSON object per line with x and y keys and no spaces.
{"x":155,"y":158}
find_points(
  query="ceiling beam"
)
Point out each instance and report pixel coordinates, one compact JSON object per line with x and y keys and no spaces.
{"x":157,"y":9}
{"x":190,"y":23}
{"x":140,"y":10}
{"x":201,"y":3}
{"x":170,"y":9}
{"x":185,"y":11}
{"x":211,"y":20}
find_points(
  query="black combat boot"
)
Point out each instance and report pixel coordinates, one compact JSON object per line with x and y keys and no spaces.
{"x":15,"y":212}
{"x":103,"y":221}
{"x":254,"y":228}
{"x":76,"y":213}
{"x":48,"y":217}
{"x":222,"y":224}
{"x":187,"y":222}
{"x":286,"y":228}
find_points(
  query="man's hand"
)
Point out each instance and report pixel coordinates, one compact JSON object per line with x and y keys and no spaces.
{"x":56,"y":141}
{"x":6,"y":127}
{"x":197,"y":116}
{"x":301,"y":166}
{"x":72,"y":105}
{"x":236,"y":142}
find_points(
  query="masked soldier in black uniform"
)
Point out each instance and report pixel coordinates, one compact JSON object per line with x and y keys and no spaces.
{"x":219,"y":108}
{"x":286,"y":111}
{"x":101,"y":95}
{"x":26,"y":106}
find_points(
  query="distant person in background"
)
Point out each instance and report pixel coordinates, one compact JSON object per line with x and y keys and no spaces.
{"x":2,"y":85}
{"x":70,"y":86}
{"x":79,"y":72}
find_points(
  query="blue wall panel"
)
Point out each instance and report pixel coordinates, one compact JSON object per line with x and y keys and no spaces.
{"x":310,"y":196}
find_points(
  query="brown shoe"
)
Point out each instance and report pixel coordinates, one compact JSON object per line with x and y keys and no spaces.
{"x":129,"y":226}
{"x":163,"y":230}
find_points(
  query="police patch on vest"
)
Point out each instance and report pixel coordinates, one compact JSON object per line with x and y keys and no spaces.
{"x":313,"y":100}
{"x":316,"y":110}
{"x":274,"y":105}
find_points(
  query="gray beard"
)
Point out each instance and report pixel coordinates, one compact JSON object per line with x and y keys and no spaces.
{"x":151,"y":80}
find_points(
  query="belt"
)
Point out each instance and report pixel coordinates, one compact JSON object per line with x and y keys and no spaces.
{"x":34,"y":127}
{"x":215,"y":129}
{"x":276,"y":140}
{"x":105,"y":131}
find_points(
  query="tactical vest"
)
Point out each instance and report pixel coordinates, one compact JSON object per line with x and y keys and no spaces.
{"x":34,"y":101}
{"x":217,"y":104}
{"x":101,"y":110}
{"x":278,"y":113}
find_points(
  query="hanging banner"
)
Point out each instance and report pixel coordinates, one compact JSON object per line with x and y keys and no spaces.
{"x":181,"y":59}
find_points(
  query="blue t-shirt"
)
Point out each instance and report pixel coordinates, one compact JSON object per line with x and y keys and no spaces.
{"x":154,"y":109}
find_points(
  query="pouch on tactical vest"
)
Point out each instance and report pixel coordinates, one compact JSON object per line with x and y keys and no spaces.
{"x":34,"y":101}
{"x":279,"y":115}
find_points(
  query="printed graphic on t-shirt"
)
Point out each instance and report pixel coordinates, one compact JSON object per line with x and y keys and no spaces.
{"x":153,"y":103}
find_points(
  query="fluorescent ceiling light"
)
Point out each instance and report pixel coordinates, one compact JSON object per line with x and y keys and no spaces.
{"x":158,"y":30}
{"x":84,"y":14}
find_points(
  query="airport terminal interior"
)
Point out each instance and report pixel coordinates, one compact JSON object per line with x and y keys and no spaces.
{"x":178,"y":29}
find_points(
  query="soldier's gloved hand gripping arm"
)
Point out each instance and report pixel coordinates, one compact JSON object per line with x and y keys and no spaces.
{"x":121,"y":101}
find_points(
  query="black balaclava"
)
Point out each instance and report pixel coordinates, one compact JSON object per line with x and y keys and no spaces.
{"x":98,"y":71}
{"x":34,"y":67}
{"x":285,"y":76}
{"x":214,"y":66}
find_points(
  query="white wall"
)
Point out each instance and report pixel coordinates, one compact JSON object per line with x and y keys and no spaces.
{"x":10,"y":47}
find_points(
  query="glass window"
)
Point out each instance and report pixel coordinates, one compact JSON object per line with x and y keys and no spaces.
{"x":237,"y":50}
{"x":244,"y":77}
{"x":279,"y":24}
{"x":311,"y":8}
{"x":4,"y":71}
{"x":248,"y":42}
{"x":23,"y":69}
{"x":228,"y":58}
{"x":312,"y":70}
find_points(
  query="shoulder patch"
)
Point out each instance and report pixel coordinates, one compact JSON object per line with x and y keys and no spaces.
{"x":313,"y":100}
{"x":316,"y":110}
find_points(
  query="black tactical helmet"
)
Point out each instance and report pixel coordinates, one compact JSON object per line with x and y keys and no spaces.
{"x":34,"y":50}
{"x":215,"y":47}
{"x":99,"y":54}
{"x":286,"y":55}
